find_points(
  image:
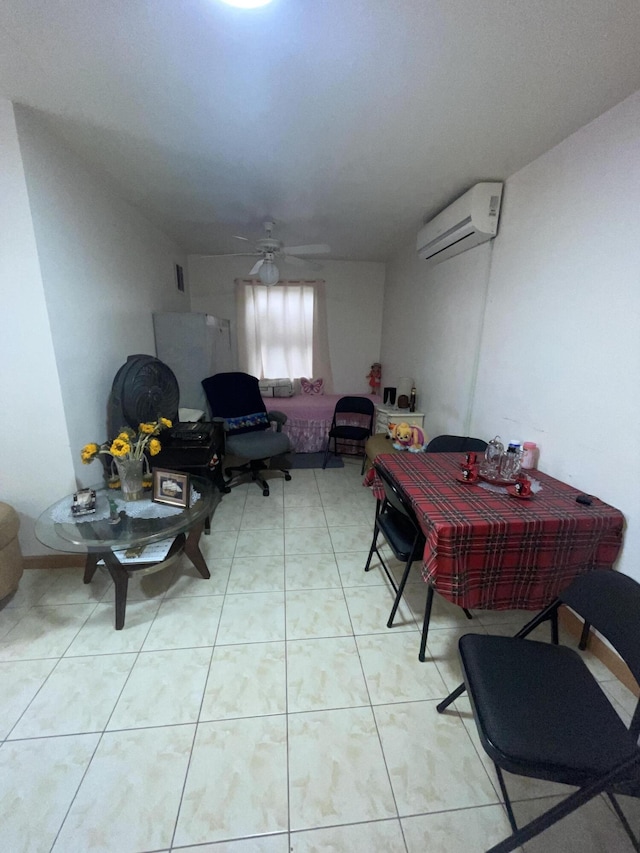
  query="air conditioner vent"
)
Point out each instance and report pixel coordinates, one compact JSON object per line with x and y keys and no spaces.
{"x":471,"y":219}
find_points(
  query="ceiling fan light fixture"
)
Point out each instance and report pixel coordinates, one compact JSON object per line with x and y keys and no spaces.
{"x":247,"y":4}
{"x":269,"y":273}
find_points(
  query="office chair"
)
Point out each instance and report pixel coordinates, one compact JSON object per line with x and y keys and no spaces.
{"x":348,"y":412}
{"x":540,"y":712}
{"x":235,"y":398}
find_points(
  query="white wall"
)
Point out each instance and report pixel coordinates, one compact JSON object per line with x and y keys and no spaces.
{"x":103,"y":270}
{"x":559,"y":356}
{"x":432,"y":326}
{"x":354,"y":309}
{"x":35,"y":457}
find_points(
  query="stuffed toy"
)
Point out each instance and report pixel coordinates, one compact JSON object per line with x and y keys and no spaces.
{"x":407,"y":437}
{"x":375,"y":377}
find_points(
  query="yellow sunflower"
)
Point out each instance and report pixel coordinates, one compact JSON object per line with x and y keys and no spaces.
{"x":154,"y":447}
{"x":120,"y":448}
{"x":89,"y":452}
{"x":148,"y":429}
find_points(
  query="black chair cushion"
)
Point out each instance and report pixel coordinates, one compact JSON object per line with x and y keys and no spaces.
{"x":351,"y":433}
{"x":399,"y":532}
{"x":539,"y":711}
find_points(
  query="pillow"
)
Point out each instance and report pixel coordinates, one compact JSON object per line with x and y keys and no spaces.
{"x":311,"y":386}
{"x":247,"y":423}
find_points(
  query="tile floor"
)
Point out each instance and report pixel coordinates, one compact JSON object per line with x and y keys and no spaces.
{"x":268,"y":709}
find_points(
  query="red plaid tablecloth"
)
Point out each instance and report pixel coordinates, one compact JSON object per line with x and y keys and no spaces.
{"x":492,"y":551}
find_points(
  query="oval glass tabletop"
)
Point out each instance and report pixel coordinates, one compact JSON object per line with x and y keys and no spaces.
{"x":118,"y":524}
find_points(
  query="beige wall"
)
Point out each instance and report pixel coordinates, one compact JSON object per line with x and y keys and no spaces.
{"x":354,"y":291}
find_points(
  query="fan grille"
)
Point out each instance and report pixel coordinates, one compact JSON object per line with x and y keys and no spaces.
{"x":144,"y":389}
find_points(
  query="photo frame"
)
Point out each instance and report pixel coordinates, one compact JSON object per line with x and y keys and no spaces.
{"x":171,"y":487}
{"x":180,"y":278}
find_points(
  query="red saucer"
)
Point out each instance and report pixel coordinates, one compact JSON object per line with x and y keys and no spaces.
{"x":511,"y":490}
{"x":461,"y":479}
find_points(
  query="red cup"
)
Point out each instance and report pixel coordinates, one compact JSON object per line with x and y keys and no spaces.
{"x":470,"y":473}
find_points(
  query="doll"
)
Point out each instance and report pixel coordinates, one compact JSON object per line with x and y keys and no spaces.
{"x":375,"y":377}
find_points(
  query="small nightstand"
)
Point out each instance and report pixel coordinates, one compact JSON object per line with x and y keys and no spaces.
{"x":386,"y":415}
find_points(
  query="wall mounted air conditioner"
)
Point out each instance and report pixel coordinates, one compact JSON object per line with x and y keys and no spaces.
{"x":471,"y":219}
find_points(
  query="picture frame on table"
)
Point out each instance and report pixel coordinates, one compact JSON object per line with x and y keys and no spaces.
{"x":171,"y":487}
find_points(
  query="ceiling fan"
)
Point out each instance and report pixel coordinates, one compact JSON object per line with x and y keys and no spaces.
{"x":268,"y":248}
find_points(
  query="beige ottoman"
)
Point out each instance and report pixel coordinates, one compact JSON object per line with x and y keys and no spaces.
{"x":10,"y":553}
{"x":379,"y":443}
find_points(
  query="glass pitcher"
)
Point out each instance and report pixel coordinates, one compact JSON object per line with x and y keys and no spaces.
{"x":510,"y":462}
{"x":493,"y":454}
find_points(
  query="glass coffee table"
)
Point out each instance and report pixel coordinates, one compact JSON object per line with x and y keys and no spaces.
{"x":118,"y":526}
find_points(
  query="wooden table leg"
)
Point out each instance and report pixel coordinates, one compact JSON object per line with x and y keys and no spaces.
{"x":90,"y":566}
{"x":120,"y":578}
{"x":193,"y":552}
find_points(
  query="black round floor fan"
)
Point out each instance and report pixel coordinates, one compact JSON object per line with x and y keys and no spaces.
{"x":144,"y":389}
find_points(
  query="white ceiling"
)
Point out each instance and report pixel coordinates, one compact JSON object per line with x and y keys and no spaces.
{"x":348,"y":121}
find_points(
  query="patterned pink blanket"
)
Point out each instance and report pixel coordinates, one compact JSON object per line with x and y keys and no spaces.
{"x":309,"y":417}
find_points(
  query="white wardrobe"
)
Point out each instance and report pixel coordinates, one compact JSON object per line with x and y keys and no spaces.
{"x":194,"y":346}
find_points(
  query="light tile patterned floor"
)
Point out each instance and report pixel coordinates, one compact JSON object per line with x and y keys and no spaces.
{"x":266,"y":710}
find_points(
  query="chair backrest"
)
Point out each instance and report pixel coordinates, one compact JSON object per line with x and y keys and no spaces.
{"x":236,"y":398}
{"x":354,"y":406}
{"x":610,"y":602}
{"x":396,"y":498}
{"x":455,"y":444}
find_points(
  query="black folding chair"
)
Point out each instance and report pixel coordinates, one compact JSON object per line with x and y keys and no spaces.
{"x":352,"y":421}
{"x":455,"y":444}
{"x":399,"y":527}
{"x":397,"y":523}
{"x":540,"y":712}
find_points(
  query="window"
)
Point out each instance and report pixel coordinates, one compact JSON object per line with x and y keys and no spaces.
{"x":282,"y":330}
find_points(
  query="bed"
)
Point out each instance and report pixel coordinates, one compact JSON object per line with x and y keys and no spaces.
{"x":309,"y":417}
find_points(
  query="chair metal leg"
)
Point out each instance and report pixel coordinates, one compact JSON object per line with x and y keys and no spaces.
{"x":425,"y":623}
{"x":327,"y":451}
{"x":543,"y":616}
{"x":564,"y":808}
{"x":505,"y":797}
{"x":373,"y":548}
{"x":584,"y":636}
{"x":399,"y":592}
{"x":441,"y":707}
{"x":467,"y":613}
{"x":554,"y":628}
{"x":623,"y":821}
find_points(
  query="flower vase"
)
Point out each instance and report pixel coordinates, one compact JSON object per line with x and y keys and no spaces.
{"x":130,"y":473}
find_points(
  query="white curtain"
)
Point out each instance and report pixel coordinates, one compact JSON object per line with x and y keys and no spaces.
{"x":282,"y":330}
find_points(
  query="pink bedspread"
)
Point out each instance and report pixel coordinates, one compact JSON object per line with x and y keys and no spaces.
{"x":309,"y":417}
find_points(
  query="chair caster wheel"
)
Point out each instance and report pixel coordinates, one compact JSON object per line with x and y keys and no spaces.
{"x":265,"y":493}
{"x":287,"y":476}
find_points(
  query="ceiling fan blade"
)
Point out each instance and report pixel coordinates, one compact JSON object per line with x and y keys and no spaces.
{"x":295,"y":262}
{"x":232,"y":255}
{"x":301,"y":262}
{"x":256,"y":267}
{"x":240,"y":237}
{"x":311,"y":249}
